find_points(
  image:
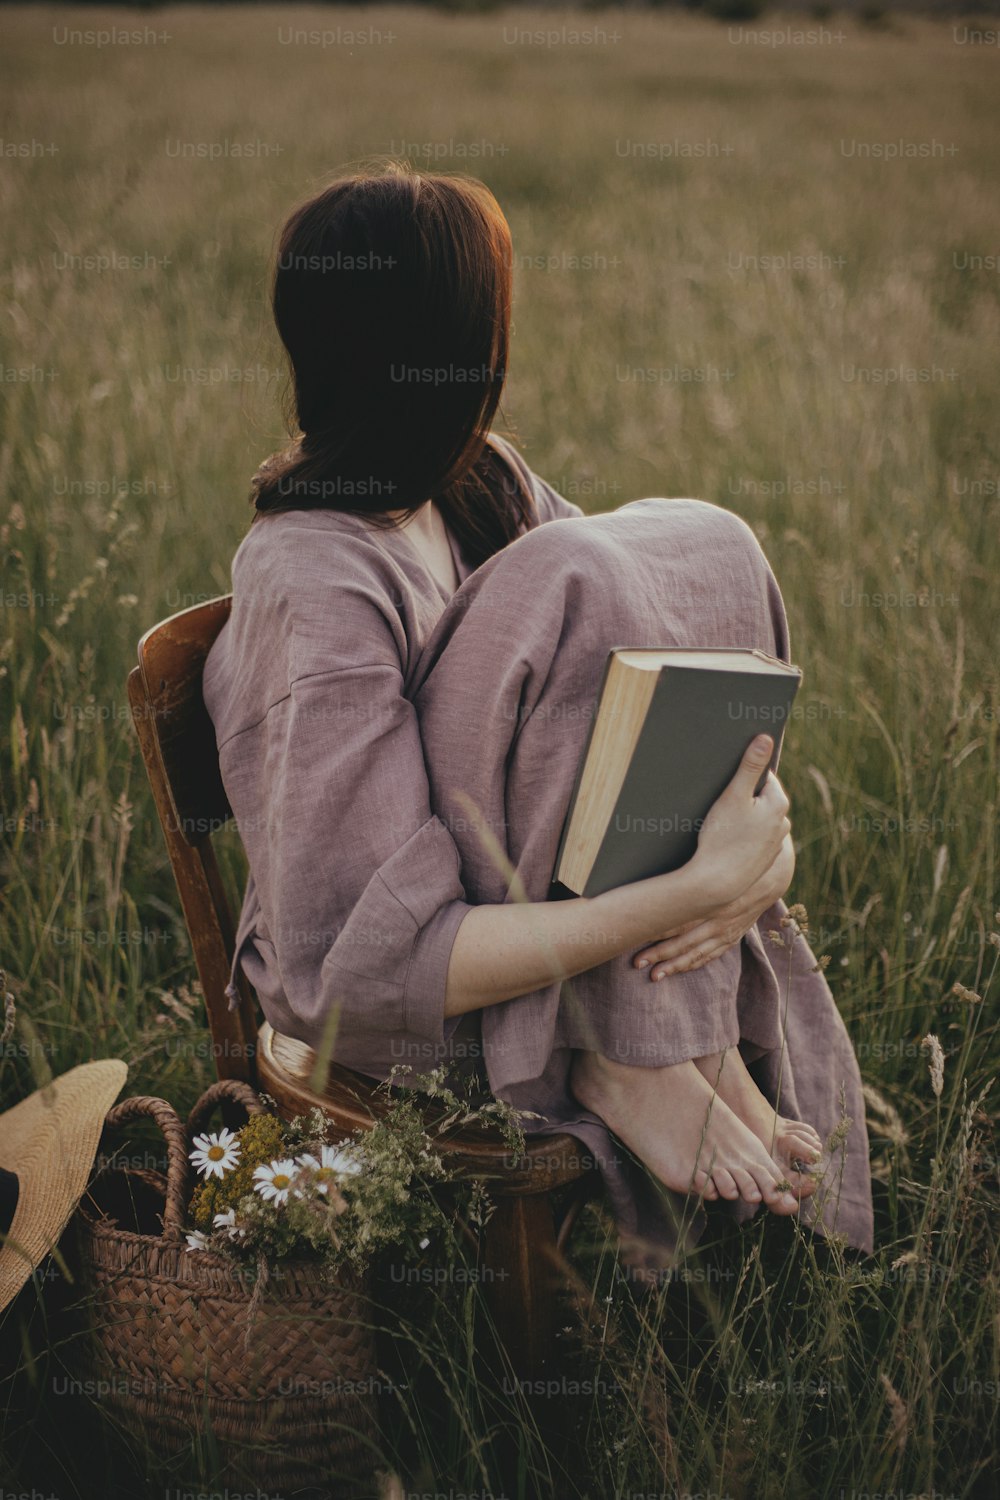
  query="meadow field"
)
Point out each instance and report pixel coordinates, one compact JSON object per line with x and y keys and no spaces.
{"x":760,"y":272}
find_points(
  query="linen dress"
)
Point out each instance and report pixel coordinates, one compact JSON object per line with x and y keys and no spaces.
{"x":394,"y":756}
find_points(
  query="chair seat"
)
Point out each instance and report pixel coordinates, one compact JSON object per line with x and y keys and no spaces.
{"x":286,"y":1070}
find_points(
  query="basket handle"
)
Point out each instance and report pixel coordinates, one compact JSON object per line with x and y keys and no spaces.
{"x":226,"y":1088}
{"x":172,"y":1131}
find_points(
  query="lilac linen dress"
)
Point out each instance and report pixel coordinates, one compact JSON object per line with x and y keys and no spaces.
{"x":394,"y":756}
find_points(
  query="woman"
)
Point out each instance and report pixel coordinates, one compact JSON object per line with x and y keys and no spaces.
{"x":401,"y":697}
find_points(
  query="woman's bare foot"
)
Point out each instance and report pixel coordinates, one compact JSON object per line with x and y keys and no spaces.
{"x":679,"y":1127}
{"x":796,"y":1147}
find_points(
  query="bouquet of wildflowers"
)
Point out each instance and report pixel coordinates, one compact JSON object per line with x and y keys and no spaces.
{"x":277,"y":1190}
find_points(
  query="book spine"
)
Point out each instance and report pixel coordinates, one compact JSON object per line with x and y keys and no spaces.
{"x":556,"y":885}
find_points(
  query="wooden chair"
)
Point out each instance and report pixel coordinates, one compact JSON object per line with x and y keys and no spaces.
{"x":178,"y":747}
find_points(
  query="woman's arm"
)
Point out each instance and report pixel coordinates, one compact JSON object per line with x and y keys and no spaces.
{"x":501,"y":952}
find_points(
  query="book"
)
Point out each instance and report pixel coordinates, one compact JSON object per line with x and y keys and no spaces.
{"x":667,"y":737}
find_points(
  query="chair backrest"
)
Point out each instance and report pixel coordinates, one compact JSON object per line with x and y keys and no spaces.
{"x":177,"y":740}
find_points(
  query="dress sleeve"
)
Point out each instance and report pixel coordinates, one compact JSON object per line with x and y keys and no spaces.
{"x":357,"y":883}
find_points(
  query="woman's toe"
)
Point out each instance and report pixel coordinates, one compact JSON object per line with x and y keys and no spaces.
{"x":749,"y":1191}
{"x":805,"y":1132}
{"x":784,"y":1202}
{"x":802,"y":1156}
{"x":703,"y":1185}
{"x":803,"y":1184}
{"x":767,"y":1176}
{"x":802,"y":1147}
{"x":726,"y":1183}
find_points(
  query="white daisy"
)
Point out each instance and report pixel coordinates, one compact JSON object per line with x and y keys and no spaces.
{"x":335,"y":1161}
{"x":348,"y":1158}
{"x":273,"y":1180}
{"x":196,"y":1241}
{"x":227,"y":1221}
{"x":214,"y":1155}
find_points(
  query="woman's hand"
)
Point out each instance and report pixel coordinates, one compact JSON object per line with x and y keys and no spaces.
{"x":696,"y":944}
{"x":742,"y":833}
{"x":738,"y":842}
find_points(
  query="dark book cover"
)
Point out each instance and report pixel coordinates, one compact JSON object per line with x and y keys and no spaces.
{"x":697,"y":728}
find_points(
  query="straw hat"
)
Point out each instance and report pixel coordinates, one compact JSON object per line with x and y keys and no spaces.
{"x":47,"y":1147}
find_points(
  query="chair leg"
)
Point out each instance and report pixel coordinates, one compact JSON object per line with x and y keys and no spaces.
{"x":518,"y":1257}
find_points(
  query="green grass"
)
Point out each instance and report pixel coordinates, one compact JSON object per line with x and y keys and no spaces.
{"x":782,"y":1371}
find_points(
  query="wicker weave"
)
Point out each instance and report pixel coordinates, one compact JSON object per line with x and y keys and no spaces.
{"x":285,"y":1380}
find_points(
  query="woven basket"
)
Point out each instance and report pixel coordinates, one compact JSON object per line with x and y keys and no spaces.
{"x":180,"y":1348}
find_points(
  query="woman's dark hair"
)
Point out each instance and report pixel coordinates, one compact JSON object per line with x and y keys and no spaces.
{"x":392,"y":295}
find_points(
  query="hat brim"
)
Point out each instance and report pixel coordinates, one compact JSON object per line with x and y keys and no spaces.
{"x":50,"y":1140}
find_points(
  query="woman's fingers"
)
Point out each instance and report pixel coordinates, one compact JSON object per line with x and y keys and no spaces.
{"x":696,"y":947}
{"x":743,"y":833}
{"x":774,"y":793}
{"x":695,"y":957}
{"x":672,"y":936}
{"x":695,"y":960}
{"x":675,"y":943}
{"x":755,"y":758}
{"x":692,"y":954}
